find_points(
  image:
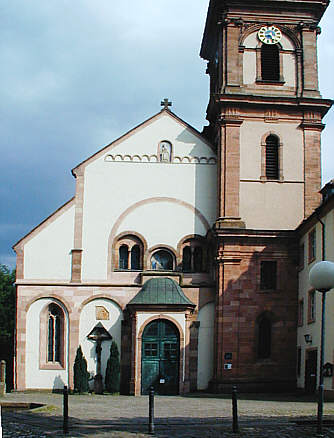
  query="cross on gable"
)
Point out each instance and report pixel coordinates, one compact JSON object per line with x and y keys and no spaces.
{"x":165,"y":103}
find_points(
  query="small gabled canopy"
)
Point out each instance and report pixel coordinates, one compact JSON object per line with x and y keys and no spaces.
{"x":161,"y":291}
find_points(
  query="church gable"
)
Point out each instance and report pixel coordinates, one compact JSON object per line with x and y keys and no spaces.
{"x":162,"y":138}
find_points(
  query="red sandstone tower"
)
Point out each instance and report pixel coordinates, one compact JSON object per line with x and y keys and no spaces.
{"x":265,"y":118}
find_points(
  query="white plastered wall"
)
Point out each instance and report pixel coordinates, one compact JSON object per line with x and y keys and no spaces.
{"x":304,"y":286}
{"x":288,"y":59}
{"x":260,"y":202}
{"x":47,"y":255}
{"x":206,"y":317}
{"x":35,"y":377}
{"x":111,"y":188}
{"x":113,"y":325}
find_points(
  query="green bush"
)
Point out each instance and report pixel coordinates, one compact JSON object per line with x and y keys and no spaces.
{"x":113,"y":370}
{"x":81,"y":375}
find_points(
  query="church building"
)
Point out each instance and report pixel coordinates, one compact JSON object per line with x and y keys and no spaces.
{"x":183,"y":245}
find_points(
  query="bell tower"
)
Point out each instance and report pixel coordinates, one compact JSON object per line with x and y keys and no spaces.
{"x":265,"y":118}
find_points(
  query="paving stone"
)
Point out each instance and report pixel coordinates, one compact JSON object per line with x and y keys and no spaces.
{"x":197,"y":416}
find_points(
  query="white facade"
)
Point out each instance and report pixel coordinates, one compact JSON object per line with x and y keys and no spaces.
{"x":311,"y":324}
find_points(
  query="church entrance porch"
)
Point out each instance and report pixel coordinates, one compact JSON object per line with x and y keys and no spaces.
{"x":160,"y":358}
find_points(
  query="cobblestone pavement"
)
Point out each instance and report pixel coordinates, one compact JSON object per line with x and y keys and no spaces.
{"x":196,"y":416}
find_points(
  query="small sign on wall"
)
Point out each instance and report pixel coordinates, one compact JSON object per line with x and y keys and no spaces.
{"x":101,"y":313}
{"x":227,"y":366}
{"x":162,"y":381}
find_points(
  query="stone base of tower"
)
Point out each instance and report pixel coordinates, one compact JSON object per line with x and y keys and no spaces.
{"x":251,"y":386}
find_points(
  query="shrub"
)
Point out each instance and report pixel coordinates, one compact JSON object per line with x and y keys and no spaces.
{"x":80,"y":372}
{"x":113,"y":370}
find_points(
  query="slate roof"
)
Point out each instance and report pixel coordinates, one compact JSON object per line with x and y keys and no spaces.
{"x":161,"y":291}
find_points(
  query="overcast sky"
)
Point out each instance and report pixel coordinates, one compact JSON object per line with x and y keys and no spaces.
{"x":77,"y":74}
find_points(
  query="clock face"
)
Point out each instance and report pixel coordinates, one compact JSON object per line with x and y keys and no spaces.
{"x":269,"y":34}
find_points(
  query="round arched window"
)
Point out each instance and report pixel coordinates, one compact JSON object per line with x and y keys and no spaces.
{"x":162,"y":261}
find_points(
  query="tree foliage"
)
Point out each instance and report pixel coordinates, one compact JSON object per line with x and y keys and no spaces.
{"x":7,"y":302}
{"x":113,"y":370}
{"x":81,"y":375}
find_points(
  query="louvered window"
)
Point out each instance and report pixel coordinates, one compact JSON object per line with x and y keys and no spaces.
{"x":270,"y":62}
{"x":272,"y":168}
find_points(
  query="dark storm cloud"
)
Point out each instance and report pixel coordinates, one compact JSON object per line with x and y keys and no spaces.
{"x":76,"y":75}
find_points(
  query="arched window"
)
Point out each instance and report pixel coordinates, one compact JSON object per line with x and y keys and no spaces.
{"x":264,"y":338}
{"x":162,"y":260}
{"x":186,"y":259}
{"x":272,"y":162}
{"x":270,"y":68}
{"x":128,"y":252}
{"x":135,"y":257}
{"x":123,"y":257}
{"x":194,"y":254}
{"x":55,"y":333}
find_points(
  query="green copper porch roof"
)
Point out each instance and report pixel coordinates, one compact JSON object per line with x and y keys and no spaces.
{"x":161,"y":291}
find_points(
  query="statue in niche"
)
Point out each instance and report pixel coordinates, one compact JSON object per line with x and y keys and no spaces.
{"x":165,"y":152}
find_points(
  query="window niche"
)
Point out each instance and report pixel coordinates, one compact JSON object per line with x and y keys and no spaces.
{"x":194,"y":255}
{"x":165,"y":151}
{"x":271,"y":158}
{"x":312,"y":246}
{"x":269,"y":61}
{"x":268,"y":275}
{"x":52,"y":337}
{"x":264,"y":337}
{"x":162,"y":260}
{"x":128,"y":253}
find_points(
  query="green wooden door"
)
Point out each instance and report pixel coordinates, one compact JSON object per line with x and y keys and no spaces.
{"x":160,"y":358}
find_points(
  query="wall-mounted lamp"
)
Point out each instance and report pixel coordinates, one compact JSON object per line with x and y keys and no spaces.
{"x":308,"y":339}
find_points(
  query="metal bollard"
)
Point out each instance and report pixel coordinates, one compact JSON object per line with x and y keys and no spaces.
{"x":151,"y":411}
{"x":65,"y":410}
{"x":235,"y":410}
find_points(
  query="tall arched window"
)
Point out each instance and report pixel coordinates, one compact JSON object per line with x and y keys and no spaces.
{"x":55,"y":333}
{"x":135,"y":257}
{"x":123,"y":257}
{"x":264,"y":338}
{"x":272,"y":154}
{"x":270,"y":69}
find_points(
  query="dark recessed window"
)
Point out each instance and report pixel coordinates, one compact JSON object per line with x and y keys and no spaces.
{"x":270,"y":62}
{"x":272,"y":165}
{"x":135,"y":257}
{"x":311,"y":246}
{"x":268,"y":274}
{"x":198,"y":259}
{"x":186,"y":259}
{"x":264,"y":338}
{"x":55,"y":323}
{"x":123,"y":257}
